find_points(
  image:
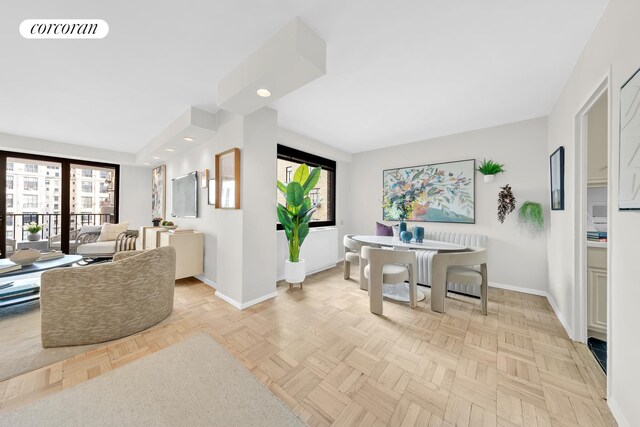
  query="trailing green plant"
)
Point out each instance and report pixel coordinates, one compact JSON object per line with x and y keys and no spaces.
{"x":32,"y":227}
{"x":532,"y":216}
{"x":489,"y":167}
{"x":506,"y":202}
{"x":297,"y":213}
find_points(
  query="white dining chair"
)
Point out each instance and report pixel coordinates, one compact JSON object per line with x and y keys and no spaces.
{"x":458,"y":267}
{"x":389,"y":266}
{"x":351,"y":254}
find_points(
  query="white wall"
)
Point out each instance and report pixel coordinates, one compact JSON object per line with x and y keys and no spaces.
{"x":135,"y":196}
{"x":613,"y":46}
{"x":515,"y":257}
{"x":240,"y":244}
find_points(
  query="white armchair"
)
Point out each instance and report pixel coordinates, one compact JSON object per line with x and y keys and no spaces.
{"x":10,"y":248}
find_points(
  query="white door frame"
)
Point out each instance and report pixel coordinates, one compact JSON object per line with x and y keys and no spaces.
{"x":580,"y":191}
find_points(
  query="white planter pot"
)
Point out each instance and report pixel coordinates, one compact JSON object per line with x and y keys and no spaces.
{"x":294,"y":272}
{"x":489,"y":178}
{"x":33,"y":237}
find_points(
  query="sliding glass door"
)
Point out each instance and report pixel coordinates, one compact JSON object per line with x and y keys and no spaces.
{"x":59,"y":195}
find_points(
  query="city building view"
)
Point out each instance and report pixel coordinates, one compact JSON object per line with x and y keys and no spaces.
{"x":33,"y":194}
{"x":319,"y":195}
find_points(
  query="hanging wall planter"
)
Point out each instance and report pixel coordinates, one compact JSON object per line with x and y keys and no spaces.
{"x":490,"y":169}
{"x":506,"y":202}
{"x":531,"y":216}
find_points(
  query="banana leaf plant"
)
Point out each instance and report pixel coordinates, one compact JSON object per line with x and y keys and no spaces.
{"x":296,"y":215}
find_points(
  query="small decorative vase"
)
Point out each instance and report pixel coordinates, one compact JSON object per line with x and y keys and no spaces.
{"x":419,"y":232}
{"x":156,"y":223}
{"x":33,"y":237}
{"x":25,"y":256}
{"x":489,"y":178}
{"x":294,"y":272}
{"x":406,"y":236}
{"x":402,"y":226}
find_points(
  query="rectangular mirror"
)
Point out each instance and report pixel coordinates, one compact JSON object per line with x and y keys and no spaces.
{"x":228,"y":179}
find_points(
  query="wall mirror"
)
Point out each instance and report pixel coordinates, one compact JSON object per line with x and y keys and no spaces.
{"x":228,"y":179}
{"x":629,"y":190}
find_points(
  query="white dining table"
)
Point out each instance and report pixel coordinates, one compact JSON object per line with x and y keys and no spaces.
{"x":400,"y":291}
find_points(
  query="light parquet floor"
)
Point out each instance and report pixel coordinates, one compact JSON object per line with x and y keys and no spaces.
{"x":332,"y":362}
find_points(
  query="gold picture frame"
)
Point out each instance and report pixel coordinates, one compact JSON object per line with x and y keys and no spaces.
{"x":227,"y":179}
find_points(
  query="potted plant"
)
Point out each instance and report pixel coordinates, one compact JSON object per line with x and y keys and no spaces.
{"x":295,"y":218}
{"x":34,"y":229}
{"x":490,"y":169}
{"x":156,"y":221}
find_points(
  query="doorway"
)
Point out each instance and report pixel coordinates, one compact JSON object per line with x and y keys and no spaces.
{"x":593,"y":207}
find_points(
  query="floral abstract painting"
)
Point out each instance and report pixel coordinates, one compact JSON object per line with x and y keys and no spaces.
{"x":441,"y":192}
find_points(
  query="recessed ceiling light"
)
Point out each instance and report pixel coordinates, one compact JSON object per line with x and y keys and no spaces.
{"x":188,"y":139}
{"x":265,"y":93}
{"x":156,"y":157}
{"x":147,"y":163}
{"x":169,"y":149}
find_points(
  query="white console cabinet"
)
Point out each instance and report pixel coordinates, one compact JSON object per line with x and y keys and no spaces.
{"x":189,"y":248}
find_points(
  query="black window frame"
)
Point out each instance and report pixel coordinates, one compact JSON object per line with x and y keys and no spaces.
{"x":311,"y":160}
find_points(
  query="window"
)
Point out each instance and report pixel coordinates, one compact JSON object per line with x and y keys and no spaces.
{"x":323,"y":194}
{"x":103,"y":174}
{"x":104,"y":187}
{"x":30,"y":183}
{"x":87,"y":186}
{"x":314,"y":195}
{"x":31,"y":168}
{"x":87,"y":202}
{"x":30,"y":201}
{"x":87,"y":173}
{"x":9,"y":182}
{"x":9,"y":200}
{"x":9,"y":166}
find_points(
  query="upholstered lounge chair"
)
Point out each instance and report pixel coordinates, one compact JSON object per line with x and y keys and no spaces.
{"x":104,"y":302}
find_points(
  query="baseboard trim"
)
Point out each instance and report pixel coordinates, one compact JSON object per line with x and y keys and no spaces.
{"x":617,"y":412}
{"x":233,"y":302}
{"x":207,"y":281}
{"x":518,"y":289}
{"x":242,"y":306}
{"x":560,"y":316}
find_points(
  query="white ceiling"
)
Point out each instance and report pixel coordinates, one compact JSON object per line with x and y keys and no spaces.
{"x":397,"y":71}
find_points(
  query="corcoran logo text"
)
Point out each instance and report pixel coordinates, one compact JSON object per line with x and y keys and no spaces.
{"x":64,"y":29}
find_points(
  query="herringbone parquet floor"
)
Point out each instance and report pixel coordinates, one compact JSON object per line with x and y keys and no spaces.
{"x":332,"y":362}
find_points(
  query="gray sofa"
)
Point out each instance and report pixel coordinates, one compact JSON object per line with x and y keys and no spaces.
{"x":104,"y":302}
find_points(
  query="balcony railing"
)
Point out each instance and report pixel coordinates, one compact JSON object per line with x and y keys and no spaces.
{"x":52,"y":223}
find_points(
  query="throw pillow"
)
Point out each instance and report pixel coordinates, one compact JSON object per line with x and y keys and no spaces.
{"x":111,"y":231}
{"x":383,"y":230}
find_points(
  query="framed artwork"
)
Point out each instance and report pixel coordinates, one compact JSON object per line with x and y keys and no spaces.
{"x":629,"y":188}
{"x":228,"y":179}
{"x":440,"y":192}
{"x":212,"y":192}
{"x":557,"y":179}
{"x":158,"y":191}
{"x":204,"y":178}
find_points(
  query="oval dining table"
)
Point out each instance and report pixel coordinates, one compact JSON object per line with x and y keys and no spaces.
{"x":400,"y":292}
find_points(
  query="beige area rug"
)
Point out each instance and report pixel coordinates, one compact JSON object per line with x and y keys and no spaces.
{"x":20,"y":347}
{"x":192,"y":383}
